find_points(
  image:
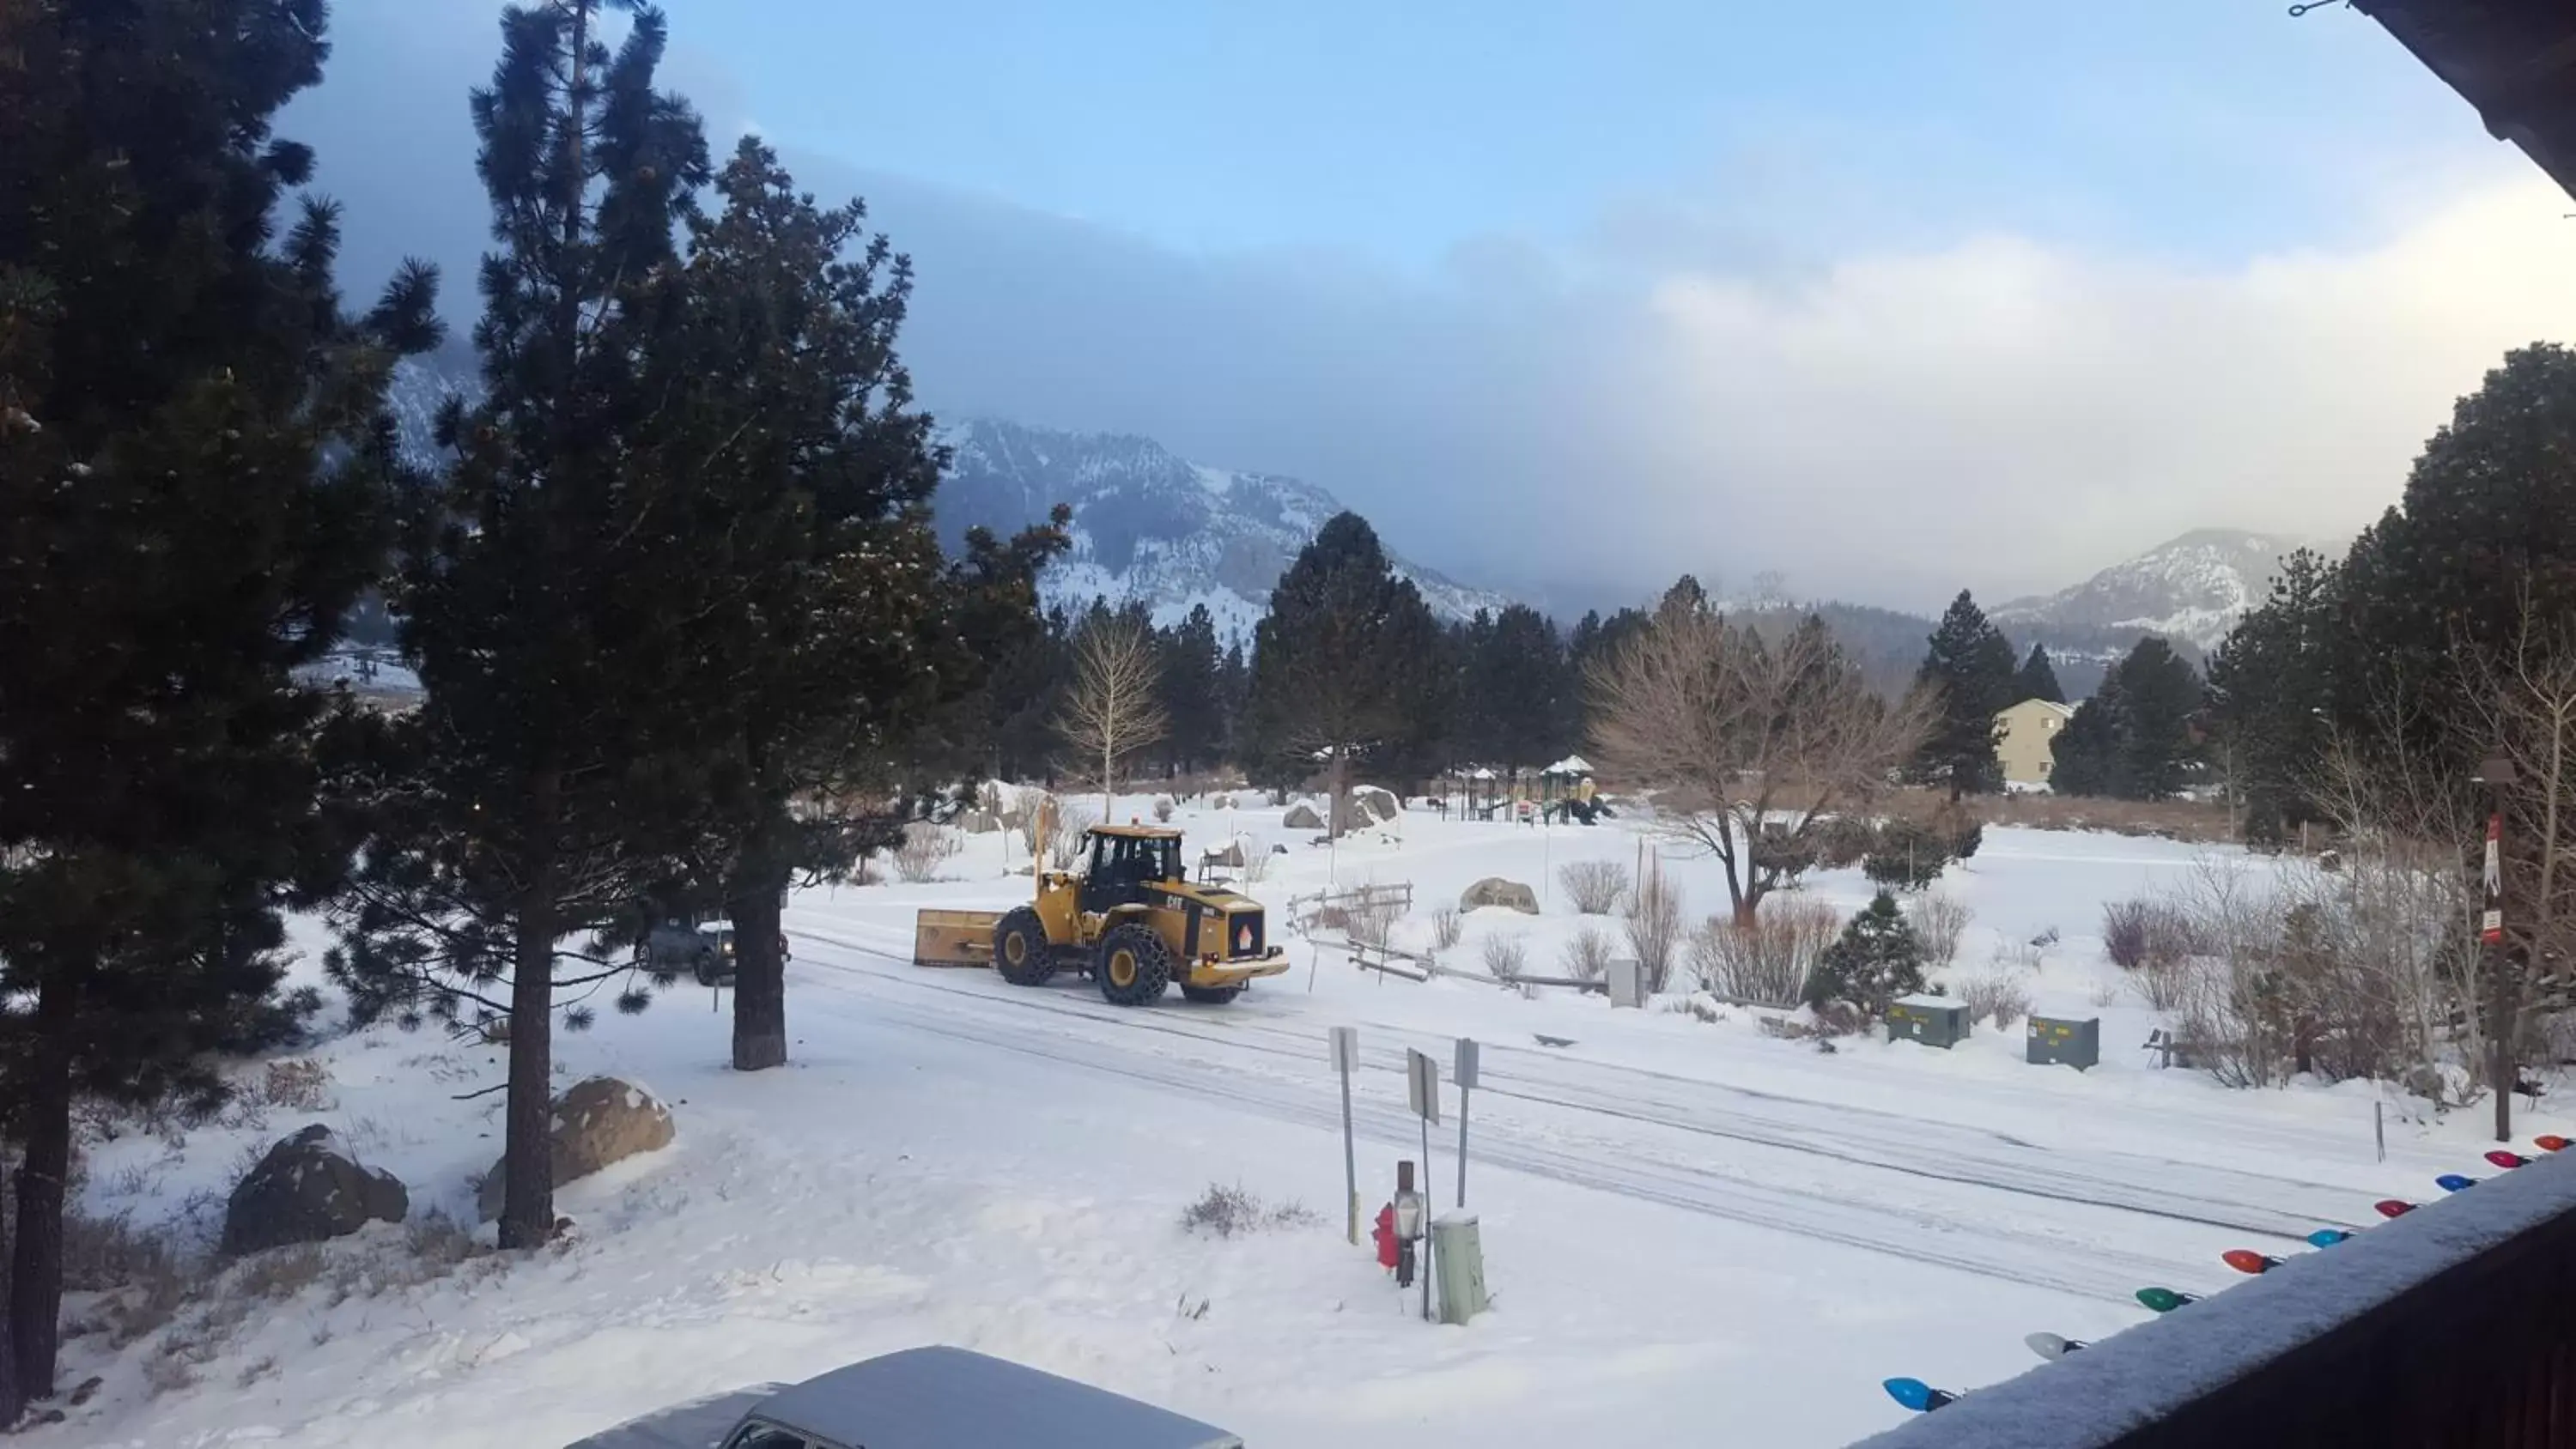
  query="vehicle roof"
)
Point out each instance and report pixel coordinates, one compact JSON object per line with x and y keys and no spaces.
{"x":1138,"y":832}
{"x":941,"y":1397}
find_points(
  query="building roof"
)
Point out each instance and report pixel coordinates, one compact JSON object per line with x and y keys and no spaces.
{"x":940,"y":1398}
{"x":2515,"y":60}
{"x":2062,"y":711}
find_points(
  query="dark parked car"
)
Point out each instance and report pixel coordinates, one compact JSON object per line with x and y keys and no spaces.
{"x":921,"y":1398}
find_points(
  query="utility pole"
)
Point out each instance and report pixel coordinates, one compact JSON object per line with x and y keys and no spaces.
{"x":2497,"y":774}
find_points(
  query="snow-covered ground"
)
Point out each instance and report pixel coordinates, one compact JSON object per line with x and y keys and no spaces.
{"x":1691,"y":1229}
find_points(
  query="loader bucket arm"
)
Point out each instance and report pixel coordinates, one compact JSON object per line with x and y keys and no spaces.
{"x":953,"y":938}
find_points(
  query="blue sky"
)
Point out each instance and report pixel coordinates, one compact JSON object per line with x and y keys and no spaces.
{"x":1848,"y":292}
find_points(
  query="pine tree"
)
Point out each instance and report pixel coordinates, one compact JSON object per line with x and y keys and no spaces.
{"x":193,"y":469}
{"x":2038,"y":679}
{"x":1971,"y":664}
{"x":2160,"y":699}
{"x":792,"y":572}
{"x":1193,"y":698}
{"x":1877,"y":959}
{"x":1519,"y":686}
{"x":1337,"y":666}
{"x":522,"y":810}
{"x":2271,"y":692}
{"x":2085,"y":757}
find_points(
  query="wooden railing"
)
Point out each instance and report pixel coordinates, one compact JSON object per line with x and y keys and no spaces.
{"x":2454,"y":1325}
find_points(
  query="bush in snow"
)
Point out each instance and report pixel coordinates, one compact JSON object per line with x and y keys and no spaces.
{"x":1767,"y":960}
{"x":1842,"y":840}
{"x":1446,"y":927}
{"x":2003,"y":999}
{"x":1594,"y":886}
{"x":1906,"y":857}
{"x":2138,"y":933}
{"x":1654,"y":925}
{"x":1940,"y":919}
{"x":1064,"y":846}
{"x":923,"y":850}
{"x":1163,"y":808}
{"x":1877,"y":960}
{"x":1587,"y":956}
{"x":1506,"y":957}
{"x":1226,"y":1211}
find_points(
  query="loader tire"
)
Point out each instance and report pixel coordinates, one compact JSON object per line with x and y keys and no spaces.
{"x":1211,"y":995}
{"x":1135,"y":966}
{"x":1020,"y":949}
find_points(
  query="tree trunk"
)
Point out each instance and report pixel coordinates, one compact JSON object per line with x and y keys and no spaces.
{"x":36,"y":1273}
{"x":12,"y":1402}
{"x":759,"y":972}
{"x":527,"y":1153}
{"x":1337,"y":778}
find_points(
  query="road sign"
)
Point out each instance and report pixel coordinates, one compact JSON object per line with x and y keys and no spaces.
{"x":1422,"y":1085}
{"x":1346,"y":1059}
{"x":1346,"y":1048}
{"x":1466,"y":1071}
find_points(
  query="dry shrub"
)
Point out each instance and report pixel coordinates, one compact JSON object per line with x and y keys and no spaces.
{"x":1163,"y":808}
{"x":279,"y":1273}
{"x":1446,"y":927}
{"x":2138,"y":933}
{"x":299,"y":1084}
{"x":925,"y":847}
{"x":1226,"y":1211}
{"x":1587,"y":956}
{"x":1940,"y":919}
{"x":1999,"y":998}
{"x":2206,"y":822}
{"x":1064,"y":845}
{"x":1842,"y":841}
{"x":1506,"y":957}
{"x":1370,"y":920}
{"x":1256,"y":863}
{"x":1767,"y":961}
{"x":439,"y":1240}
{"x":1594,"y":886}
{"x":1654,"y":928}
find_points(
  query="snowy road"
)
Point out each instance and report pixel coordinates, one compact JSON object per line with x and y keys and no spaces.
{"x":1983,"y":1201}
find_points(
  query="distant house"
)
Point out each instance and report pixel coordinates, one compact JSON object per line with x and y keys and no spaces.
{"x":2026,"y":741}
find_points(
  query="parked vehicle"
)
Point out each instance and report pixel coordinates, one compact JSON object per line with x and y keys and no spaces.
{"x":920,"y":1398}
{"x":704,"y":949}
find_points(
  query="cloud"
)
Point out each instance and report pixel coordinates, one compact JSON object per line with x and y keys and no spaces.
{"x":1676,"y":383}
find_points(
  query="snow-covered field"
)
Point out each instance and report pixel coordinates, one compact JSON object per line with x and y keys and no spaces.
{"x":1692,"y":1229}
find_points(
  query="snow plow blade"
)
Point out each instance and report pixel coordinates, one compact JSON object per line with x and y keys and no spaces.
{"x":953,"y":938}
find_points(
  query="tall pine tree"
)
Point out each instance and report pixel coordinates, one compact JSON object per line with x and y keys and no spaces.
{"x":2038,"y":679}
{"x":193,"y":459}
{"x":1337,"y":665}
{"x":520,"y":811}
{"x":2133,"y":739}
{"x":1193,"y":692}
{"x":1971,"y":664}
{"x":2271,"y":692}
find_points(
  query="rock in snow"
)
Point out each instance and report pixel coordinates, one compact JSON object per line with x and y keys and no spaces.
{"x":1493,"y":890}
{"x":307,"y":1188}
{"x":596,"y":1122}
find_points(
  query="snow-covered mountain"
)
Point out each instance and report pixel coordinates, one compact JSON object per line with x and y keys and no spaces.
{"x":1146,"y":524}
{"x":1150,"y":525}
{"x":2191,"y":590}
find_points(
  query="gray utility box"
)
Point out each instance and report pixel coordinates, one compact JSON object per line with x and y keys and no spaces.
{"x":1458,"y":1262}
{"x":1932,"y":1020}
{"x":2064,"y":1041}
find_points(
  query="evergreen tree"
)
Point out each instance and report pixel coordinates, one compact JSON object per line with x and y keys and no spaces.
{"x":1337,"y":666}
{"x":193,"y":469}
{"x":1877,"y":960}
{"x":2085,"y":757}
{"x":1971,"y":664}
{"x":2160,"y":699}
{"x":1193,"y":693}
{"x":2037,"y":679}
{"x":1522,"y":687}
{"x":2271,"y":693}
{"x":528,"y":801}
{"x":818,"y":634}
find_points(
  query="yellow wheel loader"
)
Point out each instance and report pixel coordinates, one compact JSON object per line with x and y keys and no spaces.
{"x":1130,"y":918}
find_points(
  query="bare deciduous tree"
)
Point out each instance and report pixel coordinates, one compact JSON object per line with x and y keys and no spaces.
{"x":2526,"y":695}
{"x":1113,"y":709}
{"x":1737,"y":734}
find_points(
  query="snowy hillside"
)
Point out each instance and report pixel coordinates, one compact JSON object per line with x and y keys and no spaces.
{"x":1150,"y":525}
{"x":1146,"y":524}
{"x":2191,"y":590}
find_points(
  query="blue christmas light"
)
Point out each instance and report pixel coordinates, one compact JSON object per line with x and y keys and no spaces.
{"x":2327,"y":1237}
{"x":2453,"y":1182}
{"x":1912,"y":1393}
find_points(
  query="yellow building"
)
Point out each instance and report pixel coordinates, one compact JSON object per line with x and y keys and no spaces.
{"x":2026,"y":741}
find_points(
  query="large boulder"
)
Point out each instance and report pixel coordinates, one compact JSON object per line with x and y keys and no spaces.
{"x":1368,"y":805}
{"x":1228,"y":855}
{"x":596,"y":1122}
{"x":306,"y":1189}
{"x":1493,"y":890}
{"x":1301,"y":816}
{"x":979,"y":822}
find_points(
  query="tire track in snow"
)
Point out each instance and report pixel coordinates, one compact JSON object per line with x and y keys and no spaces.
{"x":1632,"y":1169}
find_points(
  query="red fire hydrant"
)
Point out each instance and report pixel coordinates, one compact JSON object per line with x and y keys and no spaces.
{"x":1386,"y":1246}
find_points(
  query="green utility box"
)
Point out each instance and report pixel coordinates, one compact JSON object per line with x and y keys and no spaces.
{"x":1932,"y":1020}
{"x":1458,"y":1263}
{"x":2063,"y":1041}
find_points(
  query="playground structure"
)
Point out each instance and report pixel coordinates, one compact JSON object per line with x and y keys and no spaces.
{"x":1562,"y":792}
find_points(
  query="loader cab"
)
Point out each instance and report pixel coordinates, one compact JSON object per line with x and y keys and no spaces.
{"x":1124,"y":861}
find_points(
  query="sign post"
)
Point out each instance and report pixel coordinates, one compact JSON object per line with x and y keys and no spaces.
{"x":1346,"y":1055}
{"x":1422,"y":1093}
{"x":1466,"y":1074}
